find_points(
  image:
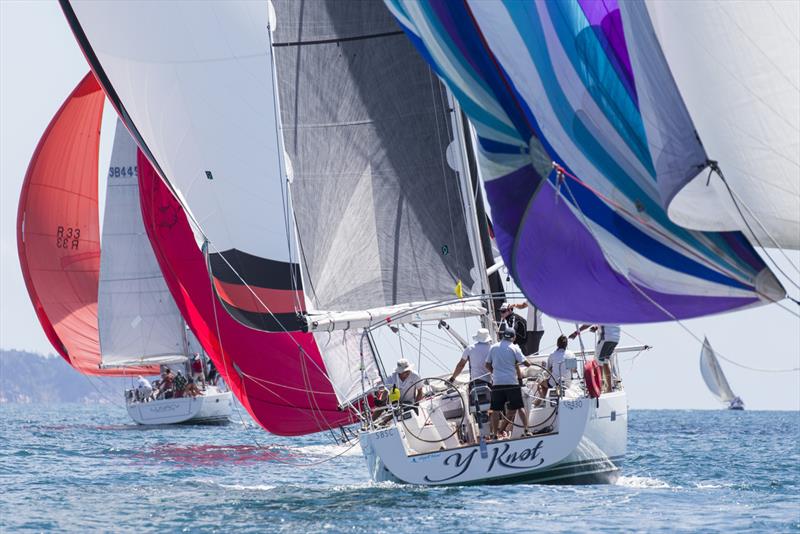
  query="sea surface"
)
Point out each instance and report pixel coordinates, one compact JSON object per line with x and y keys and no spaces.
{"x":86,"y":467}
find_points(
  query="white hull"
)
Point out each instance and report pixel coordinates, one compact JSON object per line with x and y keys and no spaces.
{"x":588,"y":446}
{"x":214,"y":407}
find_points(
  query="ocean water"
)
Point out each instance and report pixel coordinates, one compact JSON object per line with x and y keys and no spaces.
{"x":77,"y":467}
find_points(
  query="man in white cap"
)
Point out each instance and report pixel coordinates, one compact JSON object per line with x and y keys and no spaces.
{"x":476,"y":354}
{"x":405,"y":379}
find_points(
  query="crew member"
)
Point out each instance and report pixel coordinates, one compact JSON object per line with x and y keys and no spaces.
{"x":606,"y":343}
{"x":503,"y":363}
{"x":407,"y":381}
{"x":476,"y":354}
{"x":517,"y":323}
{"x":535,"y":328}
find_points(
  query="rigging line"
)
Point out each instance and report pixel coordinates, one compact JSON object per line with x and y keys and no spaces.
{"x":429,"y":353}
{"x":659,"y":306}
{"x":283,"y":328}
{"x":279,"y":460}
{"x":737,"y":199}
{"x":715,"y":168}
{"x":282,"y":172}
{"x":443,"y":165}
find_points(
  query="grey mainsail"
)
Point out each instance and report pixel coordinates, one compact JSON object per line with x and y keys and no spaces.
{"x":366,"y":128}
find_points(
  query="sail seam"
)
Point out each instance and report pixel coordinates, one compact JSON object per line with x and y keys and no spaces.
{"x":341,"y":39}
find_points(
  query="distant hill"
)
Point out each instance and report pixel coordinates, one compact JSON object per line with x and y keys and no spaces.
{"x":27,"y":377}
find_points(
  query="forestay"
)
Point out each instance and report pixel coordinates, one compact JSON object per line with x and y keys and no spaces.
{"x":713,"y":375}
{"x":583,"y":141}
{"x":737,"y":65}
{"x":139,"y":321}
{"x":194,"y":84}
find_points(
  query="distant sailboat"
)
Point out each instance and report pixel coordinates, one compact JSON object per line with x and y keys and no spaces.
{"x":715,"y":378}
{"x":106,"y":312}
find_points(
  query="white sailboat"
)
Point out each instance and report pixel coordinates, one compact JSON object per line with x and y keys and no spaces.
{"x":139,"y":323}
{"x":715,"y":378}
{"x":384,"y":217}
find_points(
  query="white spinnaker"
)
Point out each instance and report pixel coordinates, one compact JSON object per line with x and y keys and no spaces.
{"x":737,"y":65}
{"x":196,"y":80}
{"x":713,"y":375}
{"x":137,"y":317}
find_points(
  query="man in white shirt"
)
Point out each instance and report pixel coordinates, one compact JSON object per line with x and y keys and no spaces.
{"x":405,"y":379}
{"x":556,"y":362}
{"x":503,"y":362}
{"x":607,"y":341}
{"x":144,"y":387}
{"x":535,"y":328}
{"x":476,"y":354}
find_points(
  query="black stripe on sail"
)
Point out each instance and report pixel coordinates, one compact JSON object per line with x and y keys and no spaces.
{"x":237,"y":267}
{"x":267,"y":322}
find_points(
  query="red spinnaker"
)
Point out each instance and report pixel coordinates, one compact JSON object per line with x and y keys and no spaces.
{"x":278,"y":377}
{"x":58,"y":230}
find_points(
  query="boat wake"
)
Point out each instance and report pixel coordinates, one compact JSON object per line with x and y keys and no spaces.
{"x":642,"y":482}
{"x":328,"y":450}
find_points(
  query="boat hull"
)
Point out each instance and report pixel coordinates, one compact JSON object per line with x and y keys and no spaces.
{"x":588,"y":448}
{"x":214,"y":407}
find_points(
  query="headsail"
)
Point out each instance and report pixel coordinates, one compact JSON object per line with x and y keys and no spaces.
{"x":737,"y":65}
{"x":194,"y":84}
{"x":278,"y":377}
{"x":567,"y":107}
{"x":58,"y":230}
{"x":139,"y":321}
{"x":713,"y":375}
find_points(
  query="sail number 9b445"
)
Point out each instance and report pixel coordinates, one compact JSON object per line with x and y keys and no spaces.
{"x":117,"y":172}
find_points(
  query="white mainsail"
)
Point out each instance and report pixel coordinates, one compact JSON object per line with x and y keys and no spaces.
{"x":194,"y":83}
{"x":737,"y":65}
{"x":713,"y":375}
{"x":139,"y":322}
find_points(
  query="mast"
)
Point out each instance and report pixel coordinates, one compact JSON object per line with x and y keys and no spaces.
{"x":476,"y":206}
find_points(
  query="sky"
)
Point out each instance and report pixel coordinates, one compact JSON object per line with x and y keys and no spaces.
{"x":40,"y":64}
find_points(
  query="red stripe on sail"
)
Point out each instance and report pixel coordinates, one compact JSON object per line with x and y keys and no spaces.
{"x":254,"y":299}
{"x":58,"y":230}
{"x":285,"y":390}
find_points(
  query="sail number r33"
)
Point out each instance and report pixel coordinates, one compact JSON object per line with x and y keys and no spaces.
{"x":68,"y":237}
